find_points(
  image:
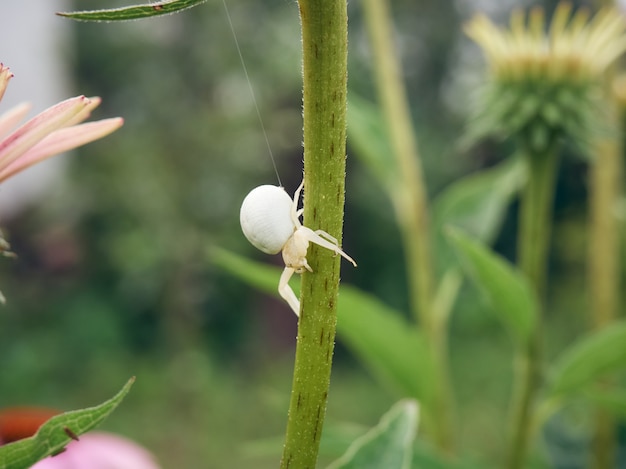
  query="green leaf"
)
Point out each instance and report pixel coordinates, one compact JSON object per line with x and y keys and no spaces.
{"x":476,"y":203}
{"x":57,"y":432}
{"x":427,"y":457}
{"x":504,"y":287}
{"x":591,"y":357}
{"x":133,"y":12}
{"x":388,"y":346}
{"x":389,"y":444}
{"x":386,"y":343}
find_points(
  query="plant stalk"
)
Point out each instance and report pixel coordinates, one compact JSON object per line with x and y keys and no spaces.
{"x":604,"y":266}
{"x":533,"y":242}
{"x":411,"y":206}
{"x":325,"y":48}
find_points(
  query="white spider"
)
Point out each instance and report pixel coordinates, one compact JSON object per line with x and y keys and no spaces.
{"x":270,"y":220}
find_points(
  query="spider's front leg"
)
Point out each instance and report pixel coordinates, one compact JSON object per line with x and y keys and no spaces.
{"x":316,"y":237}
{"x":286,"y":292}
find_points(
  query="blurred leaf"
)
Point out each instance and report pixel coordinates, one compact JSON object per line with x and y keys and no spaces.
{"x":389,"y":346}
{"x":613,"y":401}
{"x":261,"y":276}
{"x":477,"y":203}
{"x":426,"y":457}
{"x":133,"y":12}
{"x":589,"y":358}
{"x":56,"y":433}
{"x":368,"y":135}
{"x":505,"y":288}
{"x":389,"y":444}
{"x":336,"y":439}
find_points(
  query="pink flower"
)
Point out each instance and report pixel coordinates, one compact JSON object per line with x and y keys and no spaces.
{"x":55,"y":130}
{"x":100,"y":450}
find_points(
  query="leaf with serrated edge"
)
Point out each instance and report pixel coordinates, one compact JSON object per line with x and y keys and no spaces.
{"x":388,"y":444}
{"x":57,"y":432}
{"x":134,"y":12}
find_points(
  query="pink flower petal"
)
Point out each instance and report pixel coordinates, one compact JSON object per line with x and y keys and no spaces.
{"x":94,"y":102}
{"x":100,"y":450}
{"x":10,"y":119}
{"x":5,"y":76}
{"x":62,"y":140}
{"x":38,"y":127}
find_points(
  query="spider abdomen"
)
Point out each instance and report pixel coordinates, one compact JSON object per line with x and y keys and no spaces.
{"x":265,"y":218}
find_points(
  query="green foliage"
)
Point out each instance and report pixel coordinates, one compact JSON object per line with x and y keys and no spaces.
{"x":588,"y":359}
{"x":508,"y":292}
{"x":57,"y":432}
{"x":386,"y":343}
{"x":133,"y":12}
{"x":389,"y":444}
{"x":613,"y":401}
{"x":368,"y":135}
{"x":477,"y":204}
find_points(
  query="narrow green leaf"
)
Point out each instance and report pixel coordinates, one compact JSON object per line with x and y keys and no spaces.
{"x":503,"y":286}
{"x":389,"y":444}
{"x":388,"y":346}
{"x":261,"y":276}
{"x":591,"y":357}
{"x":57,"y":432}
{"x":386,"y":343}
{"x":133,"y":12}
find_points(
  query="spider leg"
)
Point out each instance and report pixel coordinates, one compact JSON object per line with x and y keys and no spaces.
{"x":314,"y":237}
{"x":286,"y":292}
{"x":295,"y":213}
{"x":329,"y":237}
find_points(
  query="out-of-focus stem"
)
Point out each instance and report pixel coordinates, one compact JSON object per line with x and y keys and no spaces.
{"x":325,"y":48}
{"x":533,"y":241}
{"x":411,"y":205}
{"x":604,"y":263}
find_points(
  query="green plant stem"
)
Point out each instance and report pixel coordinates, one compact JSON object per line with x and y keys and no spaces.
{"x":534,"y":238}
{"x":604,"y":266}
{"x":325,"y":49}
{"x":411,"y":206}
{"x":410,"y":199}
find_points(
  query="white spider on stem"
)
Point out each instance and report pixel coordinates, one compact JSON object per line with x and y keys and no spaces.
{"x":270,"y":220}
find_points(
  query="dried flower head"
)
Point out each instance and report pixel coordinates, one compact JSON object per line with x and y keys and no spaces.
{"x":545,"y":81}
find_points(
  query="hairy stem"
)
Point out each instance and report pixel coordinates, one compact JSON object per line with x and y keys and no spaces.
{"x":534,"y":238}
{"x":411,"y":206}
{"x":325,"y":46}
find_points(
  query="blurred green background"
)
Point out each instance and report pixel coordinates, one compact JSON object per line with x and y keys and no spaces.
{"x":114,"y":277}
